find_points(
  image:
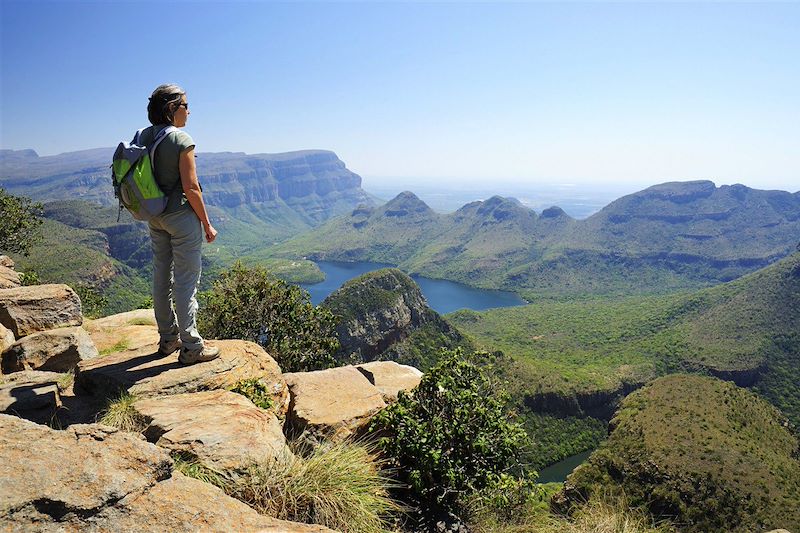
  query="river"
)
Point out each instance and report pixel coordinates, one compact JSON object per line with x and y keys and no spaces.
{"x":443,"y":296}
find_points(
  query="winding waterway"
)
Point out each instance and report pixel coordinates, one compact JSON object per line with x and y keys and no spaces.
{"x":443,"y":296}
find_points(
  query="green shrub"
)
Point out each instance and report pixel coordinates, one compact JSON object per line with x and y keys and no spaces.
{"x":251,"y":304}
{"x":255,"y":391}
{"x":339,"y":486}
{"x":92,"y":302}
{"x":453,"y":434}
{"x":20,"y":219}
{"x":28,"y":278}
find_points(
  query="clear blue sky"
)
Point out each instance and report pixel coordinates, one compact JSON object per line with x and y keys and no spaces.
{"x":461,"y":92}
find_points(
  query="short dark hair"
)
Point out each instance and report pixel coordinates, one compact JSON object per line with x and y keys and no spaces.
{"x":163,"y":103}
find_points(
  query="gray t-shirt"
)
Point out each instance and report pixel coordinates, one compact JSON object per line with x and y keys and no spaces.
{"x":168,"y":173}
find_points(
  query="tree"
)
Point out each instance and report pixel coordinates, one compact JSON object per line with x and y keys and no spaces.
{"x":453,"y":435}
{"x":20,"y":219}
{"x":251,"y":304}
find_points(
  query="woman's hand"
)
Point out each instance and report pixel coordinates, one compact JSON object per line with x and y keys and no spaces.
{"x":210,"y":232}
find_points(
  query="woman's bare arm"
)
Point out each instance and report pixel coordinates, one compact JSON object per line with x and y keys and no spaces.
{"x":191,"y":188}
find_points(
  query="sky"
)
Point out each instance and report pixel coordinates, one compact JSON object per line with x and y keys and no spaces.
{"x":451,"y":93}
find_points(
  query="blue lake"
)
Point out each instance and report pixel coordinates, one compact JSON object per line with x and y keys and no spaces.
{"x":443,"y":296}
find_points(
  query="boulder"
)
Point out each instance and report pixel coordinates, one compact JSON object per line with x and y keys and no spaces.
{"x":6,"y":261}
{"x":57,"y":350}
{"x":94,"y":478}
{"x":55,"y":475}
{"x":133,"y":330}
{"x":145,"y":373}
{"x":185,"y":505}
{"x":390,"y":377}
{"x":26,"y":310}
{"x":334,"y":403}
{"x":31,"y":395}
{"x":224,"y":430}
{"x":8,"y":278}
{"x":6,"y":338}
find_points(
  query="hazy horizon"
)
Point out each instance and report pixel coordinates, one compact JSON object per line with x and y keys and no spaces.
{"x":527,"y":93}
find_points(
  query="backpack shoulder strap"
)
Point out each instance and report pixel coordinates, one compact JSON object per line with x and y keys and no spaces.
{"x":136,"y":136}
{"x":160,"y":136}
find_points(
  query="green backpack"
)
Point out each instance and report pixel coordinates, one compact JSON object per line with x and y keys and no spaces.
{"x":133,"y":174}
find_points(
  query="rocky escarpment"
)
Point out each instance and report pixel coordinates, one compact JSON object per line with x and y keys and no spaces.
{"x":383,"y":314}
{"x":314,"y":183}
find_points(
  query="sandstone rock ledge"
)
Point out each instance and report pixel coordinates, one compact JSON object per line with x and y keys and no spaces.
{"x":221,"y":428}
{"x":145,"y":373}
{"x":97,"y":479}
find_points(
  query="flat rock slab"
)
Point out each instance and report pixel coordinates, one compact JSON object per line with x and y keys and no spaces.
{"x":133,"y":330}
{"x":97,"y":479}
{"x":334,"y":403}
{"x":145,"y":373}
{"x":184,"y":505}
{"x":224,"y":430}
{"x":31,"y":395}
{"x":57,"y":350}
{"x":26,"y":310}
{"x":78,"y":471}
{"x":390,"y":377}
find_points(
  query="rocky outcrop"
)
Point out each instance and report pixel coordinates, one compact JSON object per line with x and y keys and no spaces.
{"x":334,"y":404}
{"x":57,"y":475}
{"x":224,"y":430}
{"x":379,"y":310}
{"x":31,"y":394}
{"x":58,"y":350}
{"x":97,"y":479}
{"x":390,"y":377}
{"x":598,"y":403}
{"x":26,"y":310}
{"x":145,"y":373}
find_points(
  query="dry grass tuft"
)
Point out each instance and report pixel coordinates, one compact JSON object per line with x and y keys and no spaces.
{"x":339,"y":486}
{"x":119,"y":413}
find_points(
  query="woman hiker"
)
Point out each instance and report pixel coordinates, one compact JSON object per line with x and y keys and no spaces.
{"x":177,"y":234}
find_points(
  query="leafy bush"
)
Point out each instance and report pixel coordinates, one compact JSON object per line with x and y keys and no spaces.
{"x":92,"y":302}
{"x":339,"y":486}
{"x":28,"y":278}
{"x":255,"y":391}
{"x":251,"y":304}
{"x":20,"y":219}
{"x":453,"y":434}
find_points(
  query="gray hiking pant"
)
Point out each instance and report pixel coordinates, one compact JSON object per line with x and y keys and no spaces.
{"x":177,"y":239}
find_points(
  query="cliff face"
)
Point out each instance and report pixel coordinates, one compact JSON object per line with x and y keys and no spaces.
{"x":314,"y":183}
{"x":383,"y":316}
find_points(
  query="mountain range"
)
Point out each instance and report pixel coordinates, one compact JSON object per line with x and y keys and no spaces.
{"x":670,"y":236}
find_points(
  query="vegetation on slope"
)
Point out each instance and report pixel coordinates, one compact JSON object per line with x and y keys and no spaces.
{"x":702,"y":451}
{"x":578,"y":358}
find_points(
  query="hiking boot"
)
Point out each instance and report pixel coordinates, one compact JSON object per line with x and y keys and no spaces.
{"x":168,"y":347}
{"x":190,"y":357}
